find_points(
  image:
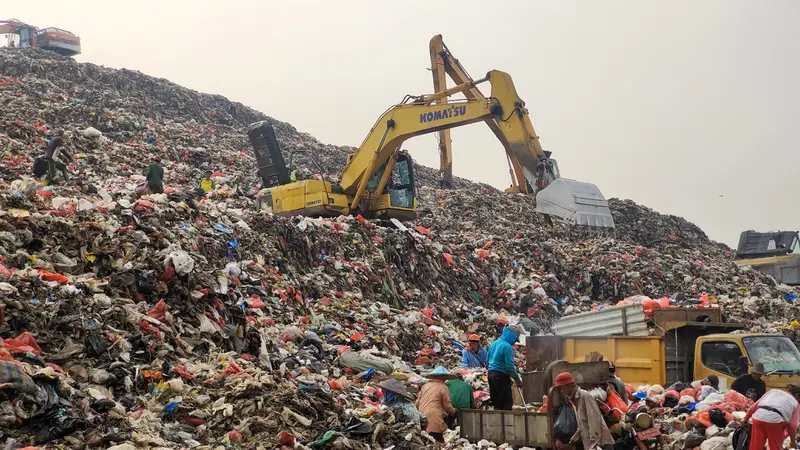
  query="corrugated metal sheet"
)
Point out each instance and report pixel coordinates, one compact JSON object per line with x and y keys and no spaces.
{"x":625,"y":320}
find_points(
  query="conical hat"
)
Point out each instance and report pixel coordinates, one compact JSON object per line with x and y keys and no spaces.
{"x":397,"y":387}
{"x":440,"y":373}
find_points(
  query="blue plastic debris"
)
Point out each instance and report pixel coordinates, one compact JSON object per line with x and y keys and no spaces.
{"x":223,"y":228}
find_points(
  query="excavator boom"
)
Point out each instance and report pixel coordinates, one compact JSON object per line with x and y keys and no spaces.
{"x":531,"y":169}
{"x":443,"y":64}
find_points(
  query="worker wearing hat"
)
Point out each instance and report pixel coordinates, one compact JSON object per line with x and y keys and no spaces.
{"x":592,"y":429}
{"x":400,"y":402}
{"x":434,"y":402}
{"x":502,"y":369}
{"x":750,"y":384}
{"x":774,"y":414}
{"x":474,"y":356}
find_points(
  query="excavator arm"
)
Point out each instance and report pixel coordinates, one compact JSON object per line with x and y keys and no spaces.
{"x":530,"y":166}
{"x":443,"y":64}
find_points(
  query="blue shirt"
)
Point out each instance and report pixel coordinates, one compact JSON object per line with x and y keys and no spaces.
{"x":501,"y":354}
{"x":469,"y":360}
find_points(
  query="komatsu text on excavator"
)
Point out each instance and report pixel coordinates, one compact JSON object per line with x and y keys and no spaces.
{"x":530,"y":166}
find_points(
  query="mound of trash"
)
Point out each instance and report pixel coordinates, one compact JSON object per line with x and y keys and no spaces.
{"x":132,"y":319}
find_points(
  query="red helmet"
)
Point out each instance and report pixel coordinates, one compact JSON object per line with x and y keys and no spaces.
{"x":474,"y":338}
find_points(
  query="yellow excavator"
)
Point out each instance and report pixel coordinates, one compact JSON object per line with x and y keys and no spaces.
{"x":378,"y":179}
{"x":530,"y":166}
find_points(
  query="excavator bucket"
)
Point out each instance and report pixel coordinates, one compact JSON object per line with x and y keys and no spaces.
{"x":575,"y":202}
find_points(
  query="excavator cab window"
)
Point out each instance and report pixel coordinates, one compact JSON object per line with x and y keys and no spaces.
{"x":401,"y":185}
{"x":556,"y":172}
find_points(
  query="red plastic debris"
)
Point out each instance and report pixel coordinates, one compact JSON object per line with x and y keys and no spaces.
{"x":449,"y":258}
{"x":335,"y":385}
{"x":194,"y":421}
{"x":50,"y":276}
{"x":147,"y":327}
{"x":143,"y":205}
{"x":169,"y":272}
{"x":24,"y":343}
{"x":255,"y":302}
{"x":235,"y":437}
{"x":183,"y":372}
{"x":159,"y":311}
{"x":286,"y":438}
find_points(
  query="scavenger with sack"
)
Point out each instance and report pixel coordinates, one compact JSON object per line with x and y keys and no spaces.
{"x":774,"y":415}
{"x":591,"y":428}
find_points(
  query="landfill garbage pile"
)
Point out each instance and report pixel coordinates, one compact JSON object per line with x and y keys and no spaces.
{"x":162,"y":320}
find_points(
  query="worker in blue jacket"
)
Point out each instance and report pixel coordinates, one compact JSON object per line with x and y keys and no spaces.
{"x":502,"y":370}
{"x":474,"y":356}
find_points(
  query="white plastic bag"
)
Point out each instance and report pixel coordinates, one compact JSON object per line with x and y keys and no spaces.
{"x":183,"y":263}
{"x":92,"y":132}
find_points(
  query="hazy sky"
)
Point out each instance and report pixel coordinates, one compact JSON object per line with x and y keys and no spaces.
{"x":684,"y":106}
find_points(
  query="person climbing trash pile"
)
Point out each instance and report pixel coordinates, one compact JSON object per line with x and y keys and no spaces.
{"x":155,"y":176}
{"x":55,"y":156}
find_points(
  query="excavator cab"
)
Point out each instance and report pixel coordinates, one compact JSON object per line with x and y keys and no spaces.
{"x":398,"y":199}
{"x":389,"y":193}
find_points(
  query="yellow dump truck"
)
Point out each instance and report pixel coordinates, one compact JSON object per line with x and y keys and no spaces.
{"x":687,"y":344}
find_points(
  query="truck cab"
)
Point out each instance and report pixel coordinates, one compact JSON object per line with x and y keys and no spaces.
{"x":730,"y":355}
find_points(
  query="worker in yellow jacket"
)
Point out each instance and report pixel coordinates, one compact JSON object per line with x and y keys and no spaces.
{"x":207,"y":184}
